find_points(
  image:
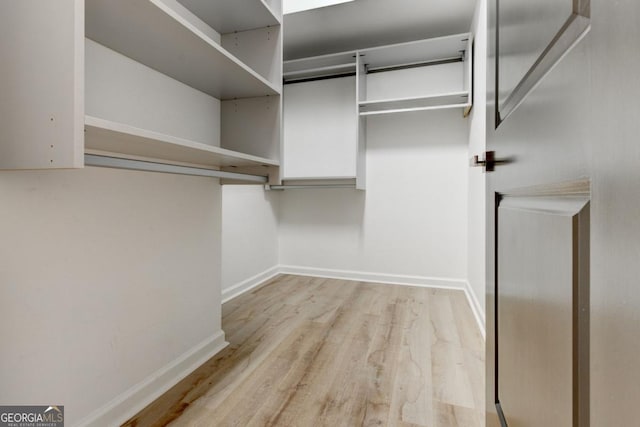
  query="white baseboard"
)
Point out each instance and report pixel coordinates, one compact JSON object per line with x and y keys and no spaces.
{"x":249,"y":284}
{"x":142,"y":394}
{"x":362,"y":276}
{"x":476,"y":308}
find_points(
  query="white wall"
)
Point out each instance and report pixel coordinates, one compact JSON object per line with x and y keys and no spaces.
{"x":332,"y":152}
{"x":120,"y":89}
{"x":411,"y":221}
{"x":477,"y":145}
{"x":106,"y":276}
{"x":249,"y":236}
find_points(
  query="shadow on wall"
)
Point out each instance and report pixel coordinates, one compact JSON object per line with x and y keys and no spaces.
{"x":417,"y":130}
{"x":327,"y":207}
{"x":323,"y":218}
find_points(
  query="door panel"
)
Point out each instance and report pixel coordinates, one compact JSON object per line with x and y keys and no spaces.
{"x":542,"y":246}
{"x":581,"y":121}
{"x":531,"y":38}
{"x":526,"y":29}
{"x":545,"y":140}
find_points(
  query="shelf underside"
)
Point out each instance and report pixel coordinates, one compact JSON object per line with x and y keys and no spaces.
{"x":420,"y":51}
{"x":130,"y":142}
{"x":450,"y":100}
{"x":334,"y":59}
{"x":319,"y":72}
{"x":227,"y":16}
{"x":173,"y":43}
{"x":429,"y":50}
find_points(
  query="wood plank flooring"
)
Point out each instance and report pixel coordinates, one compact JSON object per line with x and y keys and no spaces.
{"x":323,"y":352}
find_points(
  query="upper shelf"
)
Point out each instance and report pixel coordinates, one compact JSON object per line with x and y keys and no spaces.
{"x":415,"y":52}
{"x":165,"y":36}
{"x":323,"y":61}
{"x":228,"y":16}
{"x":319,"y":66}
{"x":399,"y":105}
{"x":436,"y":49}
{"x":330,"y":70}
{"x":128,"y":141}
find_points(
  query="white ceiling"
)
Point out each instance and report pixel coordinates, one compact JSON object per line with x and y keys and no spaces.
{"x":292,"y":6}
{"x":366,"y":23}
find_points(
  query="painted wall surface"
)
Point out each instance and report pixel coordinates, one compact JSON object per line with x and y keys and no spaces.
{"x":122,"y":90}
{"x":412,"y":220}
{"x":106,"y":276}
{"x":249,"y":233}
{"x":477,"y":145}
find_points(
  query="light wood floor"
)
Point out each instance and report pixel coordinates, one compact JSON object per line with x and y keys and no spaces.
{"x":323,"y":352}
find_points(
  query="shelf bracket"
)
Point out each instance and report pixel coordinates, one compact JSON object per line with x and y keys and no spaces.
{"x":139,"y":165}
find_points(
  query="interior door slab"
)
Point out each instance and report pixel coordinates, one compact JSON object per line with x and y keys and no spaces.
{"x":542,"y":308}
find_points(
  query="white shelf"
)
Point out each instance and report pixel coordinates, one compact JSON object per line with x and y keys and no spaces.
{"x":175,"y":43}
{"x":329,"y":70}
{"x":322,"y":61}
{"x":227,"y":16}
{"x":432,"y":102}
{"x":317,"y":178}
{"x":104,"y":136}
{"x":324,"y":126}
{"x":436,"y":49}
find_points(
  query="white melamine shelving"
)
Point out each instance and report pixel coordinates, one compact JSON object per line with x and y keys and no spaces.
{"x":321,"y":61}
{"x":121,"y":140}
{"x":189,"y":82}
{"x":329,"y":70}
{"x":165,"y":36}
{"x":415,"y":76}
{"x":319,"y":66}
{"x":419,"y":51}
{"x":227,"y":16}
{"x":41,"y":106}
{"x":421,"y":103}
{"x":438,"y":72}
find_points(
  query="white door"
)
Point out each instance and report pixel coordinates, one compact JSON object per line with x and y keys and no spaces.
{"x":539,"y":216}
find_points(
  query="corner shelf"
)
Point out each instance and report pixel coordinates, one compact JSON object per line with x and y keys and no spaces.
{"x":389,"y":68}
{"x":421,"y":103}
{"x":125,"y":141}
{"x":415,"y":76}
{"x":319,"y":66}
{"x":319,"y":72}
{"x":174,"y":42}
{"x":227,"y":16}
{"x":419,"y":51}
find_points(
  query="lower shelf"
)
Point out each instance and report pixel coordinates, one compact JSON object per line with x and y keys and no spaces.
{"x":317,"y":183}
{"x":104,"y":136}
{"x":399,"y":105}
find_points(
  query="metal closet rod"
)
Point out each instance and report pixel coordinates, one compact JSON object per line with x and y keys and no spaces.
{"x":140,"y":165}
{"x":322,"y":77}
{"x":374,"y":70}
